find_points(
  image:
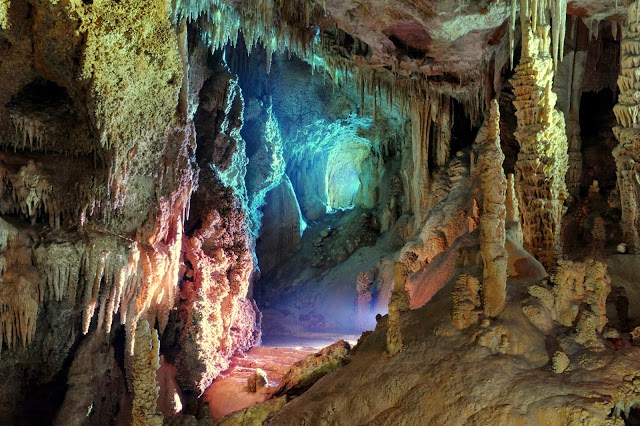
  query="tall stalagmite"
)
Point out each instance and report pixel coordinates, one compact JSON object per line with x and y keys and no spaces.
{"x":543,"y":161}
{"x":492,"y":221}
{"x":627,"y":153}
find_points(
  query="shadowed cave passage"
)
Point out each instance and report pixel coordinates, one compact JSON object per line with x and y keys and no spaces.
{"x":319,"y":219}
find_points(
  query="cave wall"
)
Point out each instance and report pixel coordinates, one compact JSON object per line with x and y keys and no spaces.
{"x":103,"y":150}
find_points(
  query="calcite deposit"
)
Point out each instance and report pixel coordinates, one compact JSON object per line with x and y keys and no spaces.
{"x":626,"y":111}
{"x":451,"y":184}
{"x":542,"y":162}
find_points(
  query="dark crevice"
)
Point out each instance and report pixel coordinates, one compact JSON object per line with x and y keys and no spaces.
{"x":405,"y":49}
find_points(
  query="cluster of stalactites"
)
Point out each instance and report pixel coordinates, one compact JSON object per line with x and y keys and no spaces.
{"x":627,"y":153}
{"x":260,"y":21}
{"x":109,"y":274}
{"x":535,"y":13}
{"x":430,"y":117}
{"x":542,"y":162}
{"x":32,"y":131}
{"x":21,"y":290}
{"x":33,"y":195}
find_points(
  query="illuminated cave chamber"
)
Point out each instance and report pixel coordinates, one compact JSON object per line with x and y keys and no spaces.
{"x":186,"y":185}
{"x":327,"y":168}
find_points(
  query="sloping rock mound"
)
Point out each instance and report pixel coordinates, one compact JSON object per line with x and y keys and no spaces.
{"x":303,"y":374}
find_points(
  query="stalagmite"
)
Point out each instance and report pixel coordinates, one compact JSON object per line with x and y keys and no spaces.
{"x":465,"y":301}
{"x":492,"y":220}
{"x":363,"y":307}
{"x":145,"y":363}
{"x":398,"y":303}
{"x":627,"y":153}
{"x":542,"y":161}
{"x":513,"y":210}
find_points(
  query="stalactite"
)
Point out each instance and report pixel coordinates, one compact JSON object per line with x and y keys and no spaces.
{"x":534,"y":13}
{"x":492,"y":220}
{"x":568,"y":87}
{"x":31,"y":131}
{"x":111,"y":274}
{"x":21,"y":290}
{"x":627,"y":132}
{"x":542,"y":161}
{"x":444,"y":120}
{"x":420,"y":178}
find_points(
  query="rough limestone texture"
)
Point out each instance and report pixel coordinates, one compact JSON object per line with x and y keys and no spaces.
{"x":493,"y":217}
{"x":542,"y":161}
{"x":216,"y":248}
{"x":627,"y":153}
{"x":579,"y":293}
{"x":399,"y":302}
{"x":255,"y":415}
{"x":466,"y":301}
{"x":303,"y":374}
{"x":363,"y":304}
{"x":145,"y":363}
{"x":559,"y":362}
{"x":97,"y":171}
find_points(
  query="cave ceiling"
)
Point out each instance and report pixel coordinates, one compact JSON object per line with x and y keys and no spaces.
{"x":439,"y":37}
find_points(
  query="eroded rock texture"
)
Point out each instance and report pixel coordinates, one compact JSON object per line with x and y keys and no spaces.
{"x":98,"y":168}
{"x":626,"y":153}
{"x":542,"y":162}
{"x":493,"y":217}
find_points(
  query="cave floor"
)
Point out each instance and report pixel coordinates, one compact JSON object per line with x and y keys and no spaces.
{"x":229,"y":392}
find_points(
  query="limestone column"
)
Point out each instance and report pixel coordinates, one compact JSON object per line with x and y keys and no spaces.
{"x":627,"y":153}
{"x":493,"y":218}
{"x":542,"y":163}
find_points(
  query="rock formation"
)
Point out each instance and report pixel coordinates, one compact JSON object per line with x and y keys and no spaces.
{"x":364,"y":281}
{"x":398,"y":303}
{"x":513,"y":210}
{"x":578,"y":298}
{"x":493,"y":217}
{"x":626,"y":132}
{"x":177,"y":177}
{"x":466,"y":301}
{"x":542,"y":161}
{"x":145,"y":363}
